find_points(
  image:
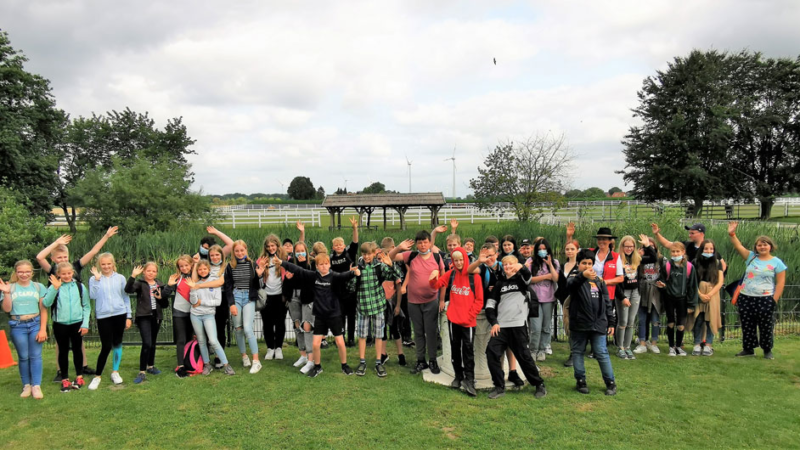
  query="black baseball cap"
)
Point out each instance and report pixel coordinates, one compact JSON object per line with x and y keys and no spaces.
{"x":696,"y":227}
{"x":525,"y":242}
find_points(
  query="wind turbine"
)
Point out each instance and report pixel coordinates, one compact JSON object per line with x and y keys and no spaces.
{"x":409,"y":173}
{"x":283,"y":185}
{"x":345,"y":183}
{"x":454,"y":170}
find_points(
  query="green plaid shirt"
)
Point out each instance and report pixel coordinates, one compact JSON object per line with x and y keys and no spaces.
{"x":370,"y":296}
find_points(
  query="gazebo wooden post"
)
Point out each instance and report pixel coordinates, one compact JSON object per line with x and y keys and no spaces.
{"x":434,"y":215}
{"x":332,"y":212}
{"x":401,"y":210}
{"x":384,"y":217}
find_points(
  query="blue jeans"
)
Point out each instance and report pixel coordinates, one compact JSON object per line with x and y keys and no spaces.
{"x":655,"y":322}
{"x":577,"y":342}
{"x":244,"y":320}
{"x":205,"y":328}
{"x":540,"y":328}
{"x":699,"y":324}
{"x":23,"y":335}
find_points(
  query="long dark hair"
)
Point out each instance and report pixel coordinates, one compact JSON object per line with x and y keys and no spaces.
{"x":707,"y":269}
{"x":538,"y":261}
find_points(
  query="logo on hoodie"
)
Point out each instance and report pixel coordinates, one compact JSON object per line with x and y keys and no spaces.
{"x":460,"y":290}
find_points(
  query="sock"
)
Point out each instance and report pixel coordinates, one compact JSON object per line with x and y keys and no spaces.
{"x":318,"y":366}
{"x":680,"y":337}
{"x":362,"y":361}
{"x":384,"y":357}
{"x":344,"y":365}
{"x":377,"y":362}
{"x":116,"y":357}
{"x":671,"y":336}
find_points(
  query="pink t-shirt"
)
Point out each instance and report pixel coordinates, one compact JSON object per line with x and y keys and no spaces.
{"x":419,"y":290}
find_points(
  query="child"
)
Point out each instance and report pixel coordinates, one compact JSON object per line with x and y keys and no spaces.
{"x":509,"y":246}
{"x":627,"y":296}
{"x":301,"y":309}
{"x":288,"y":244}
{"x":149,"y":302}
{"x":181,"y":308}
{"x":544,"y":283}
{"x":396,"y":309}
{"x":59,"y":253}
{"x":222,"y":313}
{"x":707,"y":317}
{"x":469,"y":246}
{"x":112,"y":308}
{"x":241,"y":293}
{"x":273,"y":317}
{"x":341,"y":261}
{"x":371,"y":304}
{"x":70,"y":320}
{"x":507,"y":312}
{"x":205,"y":296}
{"x":678,"y":284}
{"x":562,"y":294}
{"x":591,"y":317}
{"x":22,"y":299}
{"x":465,"y":303}
{"x":327,"y":313}
{"x":650,"y":307}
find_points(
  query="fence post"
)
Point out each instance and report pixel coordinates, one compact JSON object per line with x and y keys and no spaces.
{"x":259,"y":219}
{"x":233,"y":217}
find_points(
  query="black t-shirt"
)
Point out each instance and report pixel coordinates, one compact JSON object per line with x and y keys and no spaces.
{"x":77,"y":267}
{"x":693,"y":251}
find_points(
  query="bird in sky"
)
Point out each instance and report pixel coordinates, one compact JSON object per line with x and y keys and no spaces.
{"x":495,"y":61}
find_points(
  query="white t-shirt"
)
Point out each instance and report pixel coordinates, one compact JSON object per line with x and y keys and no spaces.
{"x":600,"y":265}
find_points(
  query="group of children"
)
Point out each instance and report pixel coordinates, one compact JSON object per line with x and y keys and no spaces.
{"x":391,"y":289}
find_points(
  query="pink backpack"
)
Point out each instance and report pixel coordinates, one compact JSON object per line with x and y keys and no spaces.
{"x":192,"y":358}
{"x":688,"y":269}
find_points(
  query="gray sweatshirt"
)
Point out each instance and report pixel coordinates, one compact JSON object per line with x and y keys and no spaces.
{"x":507,"y":306}
{"x":209,"y":298}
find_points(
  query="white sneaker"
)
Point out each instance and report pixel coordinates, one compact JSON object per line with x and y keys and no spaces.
{"x":548,"y":350}
{"x":680,"y":351}
{"x":540,"y":356}
{"x":115,"y":378}
{"x":708,"y":351}
{"x":309,"y":365}
{"x":94,"y":384}
{"x":697,"y":350}
{"x":245,"y":361}
{"x":301,"y":362}
{"x":640,"y":349}
{"x":270,"y":354}
{"x":278,"y":353}
{"x":256,"y":366}
{"x":672,"y":351}
{"x":26,"y":391}
{"x":653,"y":348}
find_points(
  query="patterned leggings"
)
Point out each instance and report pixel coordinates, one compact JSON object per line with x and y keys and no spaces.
{"x":756,"y":312}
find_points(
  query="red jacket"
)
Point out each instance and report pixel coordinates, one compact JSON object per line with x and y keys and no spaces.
{"x":464,"y":304}
{"x":609,"y":270}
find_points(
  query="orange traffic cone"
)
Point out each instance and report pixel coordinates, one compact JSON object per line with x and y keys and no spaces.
{"x":6,"y":360}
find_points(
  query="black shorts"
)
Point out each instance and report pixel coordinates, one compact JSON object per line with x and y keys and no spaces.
{"x":323,"y":324}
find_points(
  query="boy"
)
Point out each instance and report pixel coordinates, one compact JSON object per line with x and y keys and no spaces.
{"x":526,"y":252}
{"x":288,"y":244}
{"x":591,"y":317}
{"x":327,"y":313}
{"x":59,"y":253}
{"x":342,"y":259}
{"x":371,"y":303}
{"x":396,"y":315}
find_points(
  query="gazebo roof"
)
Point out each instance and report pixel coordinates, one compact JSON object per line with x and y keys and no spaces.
{"x":381,"y":200}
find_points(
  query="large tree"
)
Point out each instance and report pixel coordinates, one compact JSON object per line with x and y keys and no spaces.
{"x":374,"y":188}
{"x":301,"y":188}
{"x":524,"y":174}
{"x":21,"y":234}
{"x":30,"y":128}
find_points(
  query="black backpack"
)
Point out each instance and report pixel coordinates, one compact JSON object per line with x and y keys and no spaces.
{"x":436,"y":256}
{"x":54,"y":308}
{"x":453,"y":279}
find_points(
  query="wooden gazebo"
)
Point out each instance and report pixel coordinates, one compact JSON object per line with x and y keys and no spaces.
{"x":368,"y":203}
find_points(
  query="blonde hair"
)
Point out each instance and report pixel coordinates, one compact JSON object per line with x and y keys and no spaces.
{"x":635,"y":258}
{"x":387,"y":242}
{"x":368,"y":247}
{"x":106,"y":255}
{"x":203,"y":262}
{"x":319,"y":248}
{"x":453,"y":237}
{"x":336,"y":240}
{"x":217,"y":248}
{"x":62,"y":266}
{"x":237,"y":243}
{"x":279,"y":251}
{"x":184,"y":258}
{"x":509,"y":259}
{"x":681,"y":247}
{"x":23,"y":262}
{"x":767,"y":240}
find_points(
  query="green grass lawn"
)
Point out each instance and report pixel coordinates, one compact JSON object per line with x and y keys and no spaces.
{"x":691,"y":402}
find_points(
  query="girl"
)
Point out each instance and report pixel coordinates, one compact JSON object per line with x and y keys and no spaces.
{"x":205,"y":296}
{"x":22,"y":299}
{"x":650,"y":309}
{"x":149,"y":302}
{"x":508,"y":245}
{"x":544,"y":282}
{"x":241,"y":293}
{"x":571,"y":252}
{"x":707,"y":316}
{"x":112,"y":308}
{"x":628,"y":296}
{"x":273,"y":317}
{"x":181,"y":324}
{"x":70,"y":321}
{"x":301,"y":309}
{"x":678,"y":283}
{"x":764,"y":280}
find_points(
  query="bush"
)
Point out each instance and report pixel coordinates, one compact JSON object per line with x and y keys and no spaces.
{"x":21,"y":235}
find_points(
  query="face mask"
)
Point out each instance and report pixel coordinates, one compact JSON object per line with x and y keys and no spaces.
{"x":677,"y":258}
{"x":217,"y":264}
{"x":203,"y":251}
{"x":241,"y":260}
{"x":301,"y":254}
{"x":425,"y":252}
{"x":708,"y":255}
{"x":542,"y":253}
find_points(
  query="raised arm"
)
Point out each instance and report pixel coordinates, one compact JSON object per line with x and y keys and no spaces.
{"x":354,"y":224}
{"x":226,"y":249}
{"x":661,"y":239}
{"x":396,"y":254}
{"x":743,"y":252}
{"x":570,"y":231}
{"x":41,"y":258}
{"x":301,"y":227}
{"x":5,"y":288}
{"x":87,"y":258}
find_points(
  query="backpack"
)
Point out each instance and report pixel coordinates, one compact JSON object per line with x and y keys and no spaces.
{"x":436,"y":256}
{"x":54,"y":308}
{"x":192,"y":358}
{"x":453,"y":279}
{"x":688,"y":269}
{"x":533,"y":304}
{"x":361,"y":265}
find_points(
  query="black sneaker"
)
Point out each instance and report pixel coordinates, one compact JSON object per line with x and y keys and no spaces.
{"x":346,"y":369}
{"x":581,"y":386}
{"x":350,"y":343}
{"x":314,"y":372}
{"x":497,"y":392}
{"x":513,"y":377}
{"x":746,"y":353}
{"x":611,"y":388}
{"x":384,"y":357}
{"x":180,"y":372}
{"x":434,"y":366}
{"x":380,"y":370}
{"x":401,"y":359}
{"x":361,"y":370}
{"x":568,"y":362}
{"x":217,"y":363}
{"x":456,"y":383}
{"x":323,"y":344}
{"x":421,"y":365}
{"x":88,"y":370}
{"x":58,"y":377}
{"x":541,"y":391}
{"x":769,"y":355}
{"x":469,"y":388}
{"x":408,"y":343}
{"x":590,"y":355}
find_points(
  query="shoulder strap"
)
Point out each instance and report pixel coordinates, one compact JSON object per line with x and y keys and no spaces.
{"x":688,"y":270}
{"x":411,"y":257}
{"x":669,"y":266}
{"x":472,"y":283}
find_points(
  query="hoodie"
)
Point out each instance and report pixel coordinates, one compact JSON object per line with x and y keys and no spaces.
{"x":464,"y":304}
{"x":508,"y":304}
{"x":209,"y":298}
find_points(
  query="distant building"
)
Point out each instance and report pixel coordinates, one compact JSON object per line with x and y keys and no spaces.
{"x":617,"y":195}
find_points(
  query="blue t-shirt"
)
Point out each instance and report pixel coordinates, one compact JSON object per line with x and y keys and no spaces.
{"x":759,"y":277}
{"x":25,"y":299}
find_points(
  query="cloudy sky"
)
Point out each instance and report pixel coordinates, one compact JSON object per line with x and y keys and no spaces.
{"x":347,"y":90}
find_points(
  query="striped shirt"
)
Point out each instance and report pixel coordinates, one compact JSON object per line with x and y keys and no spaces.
{"x":241,"y":275}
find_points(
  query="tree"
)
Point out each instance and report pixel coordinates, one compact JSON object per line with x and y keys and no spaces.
{"x":614,"y":190}
{"x":320,"y":193}
{"x":30,"y":128}
{"x":374,"y":188}
{"x":21,"y":234}
{"x":140,"y":196}
{"x":594,"y":192}
{"x":523,"y":174}
{"x":340,"y":191}
{"x":573,"y":193}
{"x":301,"y":188}
{"x":680,"y":150}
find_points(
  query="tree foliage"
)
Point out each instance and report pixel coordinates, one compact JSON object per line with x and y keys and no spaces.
{"x":374,"y":188}
{"x":614,"y":190}
{"x":301,"y":188}
{"x":594,"y":192}
{"x":21,"y":234}
{"x":523,"y":174}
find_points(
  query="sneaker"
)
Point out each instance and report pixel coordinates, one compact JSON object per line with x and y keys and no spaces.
{"x":421,"y":365}
{"x":115,"y":378}
{"x":621,"y":353}
{"x":568,"y":361}
{"x":456,"y":383}
{"x":434,"y":366}
{"x":314,"y":372}
{"x":66,"y":386}
{"x":323,"y":344}
{"x":708,"y":351}
{"x":180,"y":372}
{"x":541,"y":356}
{"x":640,"y":349}
{"x":541,"y":391}
{"x":37,"y":392}
{"x":401,"y":360}
{"x":590,"y":355}
{"x":87,"y":370}
{"x":697,"y":350}
{"x":256,"y":366}
{"x":653,"y":348}
{"x":309,"y":365}
{"x":629,"y":353}
{"x":153,"y":371}
{"x":680,"y":351}
{"x":469,"y":388}
{"x":278,"y":353}
{"x":672,"y":351}
{"x":384,"y":358}
{"x":769,"y":355}
{"x":228,"y":370}
{"x":78,"y":384}
{"x":270,"y":354}
{"x":513,"y":377}
{"x":350,"y":343}
{"x":217,"y":363}
{"x":301,"y":361}
{"x":94,"y":384}
{"x":408,"y":343}
{"x":139,"y":378}
{"x":246,"y":361}
{"x":548,"y":350}
{"x":57,"y":378}
{"x":380,"y":370}
{"x":26,"y":391}
{"x":207,"y":369}
{"x":497,"y":392}
{"x":611,"y":388}
{"x":361,"y":370}
{"x":581,"y":386}
{"x":346,"y":369}
{"x":746,"y":353}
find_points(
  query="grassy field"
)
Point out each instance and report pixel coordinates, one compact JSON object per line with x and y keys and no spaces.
{"x":692,"y":402}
